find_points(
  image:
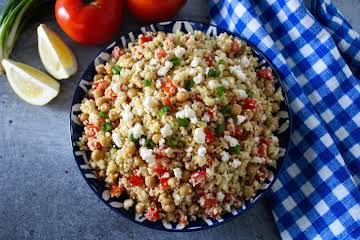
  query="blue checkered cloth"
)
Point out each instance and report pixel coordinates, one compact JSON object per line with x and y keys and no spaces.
{"x":317,"y":194}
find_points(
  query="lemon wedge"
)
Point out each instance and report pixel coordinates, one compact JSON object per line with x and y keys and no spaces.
{"x":56,"y":56}
{"x":30,"y":84}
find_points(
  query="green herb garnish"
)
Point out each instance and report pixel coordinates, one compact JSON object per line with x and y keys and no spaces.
{"x":189,"y":84}
{"x":235,"y":150}
{"x":183,"y":122}
{"x":163,"y":110}
{"x":172,"y":141}
{"x":147,"y":83}
{"x":214,"y":72}
{"x":221,"y":61}
{"x":149,"y":144}
{"x":176,"y":61}
{"x":250,"y":93}
{"x":225,"y":110}
{"x":220,"y":91}
{"x":102,"y":114}
{"x":107,"y":127}
{"x":219,"y":130}
{"x":116,"y":70}
{"x":132,"y":138}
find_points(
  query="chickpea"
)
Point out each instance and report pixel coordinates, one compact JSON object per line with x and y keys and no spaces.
{"x":97,"y":93}
{"x":185,"y":176}
{"x":132,"y":92}
{"x":185,"y":189}
{"x":182,"y":96}
{"x":131,"y":149}
{"x":248,"y":114}
{"x":235,"y":109}
{"x":100,"y":68}
{"x":248,"y":192}
{"x":194,"y":208}
{"x":98,"y":77}
{"x":96,"y":155}
{"x":269,"y":89}
{"x":260,"y":84}
{"x":150,"y":181}
{"x":128,"y":203}
{"x":187,"y":103}
{"x":113,"y":115}
{"x":138,"y":161}
{"x":108,"y":69}
{"x":156,"y":138}
{"x":172,"y":182}
{"x":275,"y":107}
{"x":170,"y":216}
{"x":257,"y":115}
{"x":169,"y":208}
{"x":83,"y":117}
{"x":107,"y":78}
{"x":105,"y":107}
{"x":106,"y":141}
{"x":140,"y":207}
{"x":251,"y":170}
{"x":100,"y":101}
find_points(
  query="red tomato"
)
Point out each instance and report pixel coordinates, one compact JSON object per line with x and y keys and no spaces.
{"x":262,"y":149}
{"x":144,"y":39}
{"x":238,"y":133}
{"x":159,"y":169}
{"x":265,"y":141}
{"x":164,"y":183}
{"x":161,"y":53}
{"x":89,"y":23}
{"x":91,"y":130}
{"x":136,"y":180}
{"x":209,"y":60}
{"x":265,"y":73}
{"x":169,"y":87}
{"x":152,"y":214}
{"x":167,"y":101}
{"x":154,"y":11}
{"x":210,"y":137}
{"x":235,"y":47}
{"x":211,"y":202}
{"x":198,"y":177}
{"x":115,"y":190}
{"x":249,"y":103}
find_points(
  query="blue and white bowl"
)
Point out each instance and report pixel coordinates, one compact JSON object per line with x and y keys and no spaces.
{"x":116,"y":204}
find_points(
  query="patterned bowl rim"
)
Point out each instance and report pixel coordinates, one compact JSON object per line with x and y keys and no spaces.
{"x":258,"y":196}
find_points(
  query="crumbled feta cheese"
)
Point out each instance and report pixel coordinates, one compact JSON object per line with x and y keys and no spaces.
{"x":189,"y":149}
{"x":240,"y":93}
{"x":161,"y":142}
{"x":198,"y":78}
{"x":158,"y":83}
{"x":164,"y":70}
{"x":225,"y":156}
{"x":236,"y":163}
{"x":195,"y":62}
{"x":192,"y":71}
{"x":177,"y":173}
{"x":220,"y":196}
{"x":245,"y":61}
{"x":179,"y":51}
{"x":115,"y":87}
{"x":213,"y":84}
{"x":205,"y":118}
{"x":187,"y":112}
{"x":209,"y":171}
{"x":147,"y":155}
{"x":142,"y":141}
{"x":166,"y":131}
{"x":127,"y":115}
{"x":116,"y":139}
{"x":238,"y":72}
{"x":153,"y":61}
{"x":232,"y":141}
{"x":257,"y":160}
{"x":207,"y":70}
{"x":199,"y":136}
{"x":93,"y":118}
{"x":240,"y":119}
{"x":225,"y":83}
{"x":202,"y":151}
{"x":137,"y":131}
{"x":148,"y":104}
{"x":169,"y":151}
{"x":227,"y":207}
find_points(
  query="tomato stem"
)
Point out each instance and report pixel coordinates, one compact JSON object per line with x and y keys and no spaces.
{"x":88,"y":1}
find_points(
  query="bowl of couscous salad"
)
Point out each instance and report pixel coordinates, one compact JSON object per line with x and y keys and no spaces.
{"x":180,"y":126}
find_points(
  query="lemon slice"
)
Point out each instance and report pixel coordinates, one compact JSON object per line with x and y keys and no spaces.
{"x":56,"y":56}
{"x":30,"y":84}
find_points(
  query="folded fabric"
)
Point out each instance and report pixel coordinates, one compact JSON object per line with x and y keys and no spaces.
{"x":317,"y":194}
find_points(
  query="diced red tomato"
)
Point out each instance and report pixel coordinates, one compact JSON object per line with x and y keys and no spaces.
{"x":167,"y":101}
{"x":91,"y":130}
{"x":169,"y":87}
{"x":262,"y":149}
{"x":161,"y":53}
{"x":164,"y":183}
{"x":98,"y":146}
{"x":136,"y":180}
{"x":112,"y":94}
{"x":152,"y":214}
{"x":101,"y":85}
{"x":116,"y":53}
{"x":183,"y":220}
{"x":198,"y":177}
{"x":123,"y":87}
{"x":211,"y":202}
{"x":265,"y":73}
{"x":238,"y":133}
{"x":209,"y":60}
{"x":144,"y":39}
{"x":265,"y":141}
{"x":115,"y":190}
{"x":210,"y":137}
{"x":211,"y":113}
{"x":249,"y":103}
{"x":263,"y":173}
{"x":159,"y":169}
{"x":235,"y":47}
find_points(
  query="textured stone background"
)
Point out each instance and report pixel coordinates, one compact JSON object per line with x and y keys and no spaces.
{"x":43,"y":195}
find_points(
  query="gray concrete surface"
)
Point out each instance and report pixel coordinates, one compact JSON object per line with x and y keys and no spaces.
{"x":42,"y":194}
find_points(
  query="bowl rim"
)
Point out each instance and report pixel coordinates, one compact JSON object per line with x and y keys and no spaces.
{"x":258,"y":197}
